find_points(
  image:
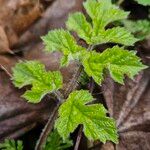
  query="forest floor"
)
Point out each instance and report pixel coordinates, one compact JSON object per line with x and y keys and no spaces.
{"x":22,"y":23}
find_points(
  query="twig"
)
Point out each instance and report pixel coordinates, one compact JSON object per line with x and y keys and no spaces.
{"x":6,"y":71}
{"x":120,"y":2}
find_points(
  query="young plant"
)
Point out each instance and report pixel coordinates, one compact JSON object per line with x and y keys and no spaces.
{"x":77,"y":108}
{"x":140,"y":28}
{"x":55,"y":142}
{"x":143,"y":2}
{"x":11,"y":145}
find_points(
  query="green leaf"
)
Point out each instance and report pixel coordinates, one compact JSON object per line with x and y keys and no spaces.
{"x":96,"y":125}
{"x":93,"y":66}
{"x":115,"y":35}
{"x":77,"y":22}
{"x":55,"y":142}
{"x":140,"y":28}
{"x":143,"y":2}
{"x":118,"y":61}
{"x":84,"y":79}
{"x":34,"y":73}
{"x":102,"y":13}
{"x":64,"y":61}
{"x":63,"y":41}
{"x":11,"y":145}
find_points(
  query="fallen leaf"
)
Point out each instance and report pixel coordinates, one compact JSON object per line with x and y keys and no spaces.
{"x":4,"y":43}
{"x":8,"y":61}
{"x":129,"y":105}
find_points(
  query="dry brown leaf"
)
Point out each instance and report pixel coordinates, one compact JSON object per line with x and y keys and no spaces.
{"x":129,"y":105}
{"x":4,"y":43}
{"x":54,"y":17}
{"x":8,"y":61}
{"x":25,"y":17}
{"x":17,"y":15}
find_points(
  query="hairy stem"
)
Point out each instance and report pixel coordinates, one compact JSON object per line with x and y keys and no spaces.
{"x":78,"y":138}
{"x":71,"y":87}
{"x":6,"y":71}
{"x":73,"y":84}
{"x":48,"y":128}
{"x":120,"y":2}
{"x":59,"y":96}
{"x":91,"y":88}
